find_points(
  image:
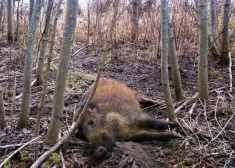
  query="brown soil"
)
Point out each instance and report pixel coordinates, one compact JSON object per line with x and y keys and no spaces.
{"x":135,"y":66}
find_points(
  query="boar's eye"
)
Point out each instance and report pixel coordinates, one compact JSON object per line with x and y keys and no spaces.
{"x":91,"y":123}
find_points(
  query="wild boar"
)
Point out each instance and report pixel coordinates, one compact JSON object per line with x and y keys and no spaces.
{"x":114,"y":114}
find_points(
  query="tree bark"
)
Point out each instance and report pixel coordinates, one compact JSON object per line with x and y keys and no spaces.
{"x":3,"y":122}
{"x":214,"y":31}
{"x":203,"y":51}
{"x":31,"y":6}
{"x":232,"y":38}
{"x":174,"y":61}
{"x":213,"y":18}
{"x":45,"y":81}
{"x":135,"y":20}
{"x":1,"y":14}
{"x":62,"y":73}
{"x":10,"y":21}
{"x":225,"y":32}
{"x":25,"y":105}
{"x":43,"y":46}
{"x":164,"y":62}
{"x":17,"y":21}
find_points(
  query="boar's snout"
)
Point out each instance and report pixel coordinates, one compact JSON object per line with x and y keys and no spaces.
{"x":99,"y":152}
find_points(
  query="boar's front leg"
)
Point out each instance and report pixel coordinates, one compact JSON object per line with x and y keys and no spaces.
{"x":148,"y":122}
{"x":150,"y":136}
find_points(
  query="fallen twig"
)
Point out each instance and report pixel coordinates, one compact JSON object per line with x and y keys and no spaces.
{"x":79,"y":50}
{"x":62,"y":159}
{"x":221,"y":130}
{"x":16,"y":145}
{"x":11,"y":155}
{"x":230,"y":73}
{"x":185,"y":103}
{"x":20,"y":95}
{"x":191,"y":110}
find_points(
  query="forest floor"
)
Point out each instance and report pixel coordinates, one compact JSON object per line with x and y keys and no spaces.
{"x":207,"y":128}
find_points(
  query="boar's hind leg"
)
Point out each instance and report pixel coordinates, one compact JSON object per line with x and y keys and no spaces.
{"x":144,"y":102}
{"x":146,"y":121}
{"x":150,"y":136}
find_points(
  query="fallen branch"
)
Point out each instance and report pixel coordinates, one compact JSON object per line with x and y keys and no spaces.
{"x":191,"y":110}
{"x":79,"y":50}
{"x":185,"y":103}
{"x":62,"y":159}
{"x":222,"y":129}
{"x":11,"y":155}
{"x":20,"y":95}
{"x":230,"y":73}
{"x":16,"y":145}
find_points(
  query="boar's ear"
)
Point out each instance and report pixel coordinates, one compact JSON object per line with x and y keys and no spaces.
{"x":92,"y":109}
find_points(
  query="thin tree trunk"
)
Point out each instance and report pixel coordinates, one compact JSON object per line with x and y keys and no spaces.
{"x":135,"y":20}
{"x":46,"y":72}
{"x":225,"y":33}
{"x":214,"y":31}
{"x":203,"y":51}
{"x":213,"y":18}
{"x":232,"y":38}
{"x":212,"y":43}
{"x":9,"y":20}
{"x":1,"y":14}
{"x":17,"y":21}
{"x":113,"y":21}
{"x":88,"y":22}
{"x":3,"y":122}
{"x":174,"y":62}
{"x":31,"y":6}
{"x":62,"y":73}
{"x":164,"y":62}
{"x":43,"y":46}
{"x":25,"y":105}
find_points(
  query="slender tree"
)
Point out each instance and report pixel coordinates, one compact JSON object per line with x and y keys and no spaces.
{"x":213,"y":18}
{"x":3,"y":122}
{"x":49,"y":58}
{"x":88,"y":21}
{"x":203,"y":51}
{"x":25,"y":105}
{"x":232,"y":38}
{"x":174,"y":61}
{"x":31,"y":6}
{"x":9,"y":20}
{"x":135,"y":20}
{"x":62,"y":73}
{"x":1,"y":13}
{"x":164,"y":62}
{"x":216,"y":44}
{"x":43,"y":46}
{"x":225,"y":33}
{"x":17,"y":20}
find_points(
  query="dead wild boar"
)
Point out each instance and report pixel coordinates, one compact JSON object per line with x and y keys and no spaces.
{"x":114,"y":115}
